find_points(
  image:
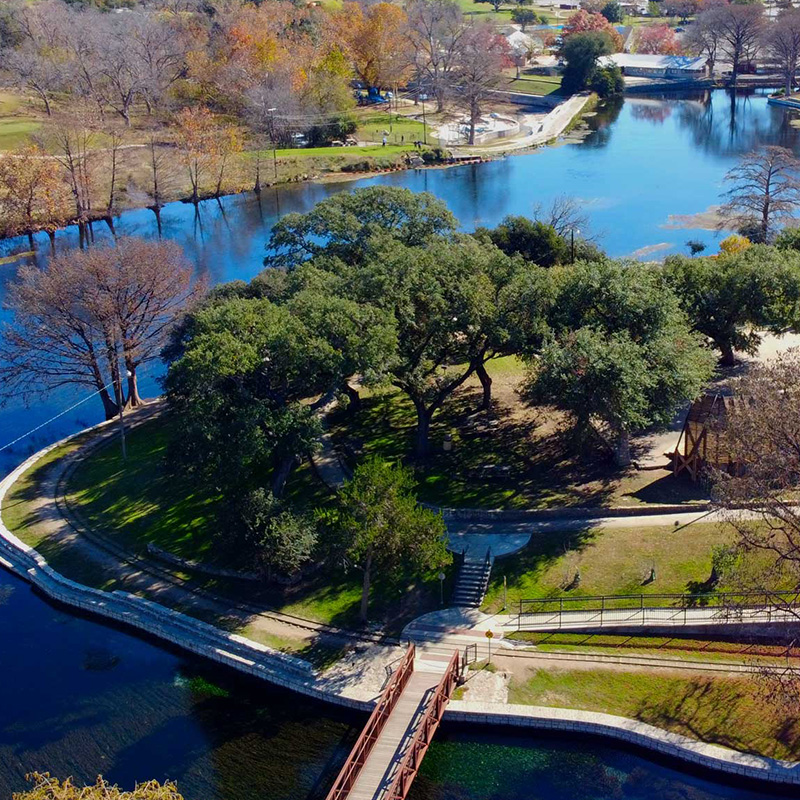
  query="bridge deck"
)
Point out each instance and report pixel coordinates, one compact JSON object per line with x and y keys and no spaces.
{"x":375,"y":777}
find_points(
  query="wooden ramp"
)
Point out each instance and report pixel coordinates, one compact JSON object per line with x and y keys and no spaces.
{"x":386,"y":757}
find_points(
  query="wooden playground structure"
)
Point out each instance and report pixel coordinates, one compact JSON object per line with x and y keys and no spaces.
{"x":702,"y":442}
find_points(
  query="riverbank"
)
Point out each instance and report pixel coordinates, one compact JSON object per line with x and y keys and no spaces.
{"x":254,"y":174}
{"x":349,"y":684}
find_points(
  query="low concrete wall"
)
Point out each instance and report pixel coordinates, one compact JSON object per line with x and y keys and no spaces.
{"x":296,"y":674}
{"x":629,"y":731}
{"x":788,"y":102}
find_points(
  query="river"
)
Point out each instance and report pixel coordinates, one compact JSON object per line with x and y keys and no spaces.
{"x":78,"y":697}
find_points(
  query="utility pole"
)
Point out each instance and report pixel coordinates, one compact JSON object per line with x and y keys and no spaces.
{"x":424,"y":125}
{"x":271,"y":112}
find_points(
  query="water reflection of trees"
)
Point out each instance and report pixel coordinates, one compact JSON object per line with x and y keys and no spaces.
{"x":654,"y":111}
{"x":602,"y":124}
{"x":730,"y":124}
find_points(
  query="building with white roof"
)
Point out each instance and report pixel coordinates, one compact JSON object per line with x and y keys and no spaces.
{"x":657,"y":66}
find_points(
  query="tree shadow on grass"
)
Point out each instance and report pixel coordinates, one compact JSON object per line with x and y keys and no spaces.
{"x":724,"y":712}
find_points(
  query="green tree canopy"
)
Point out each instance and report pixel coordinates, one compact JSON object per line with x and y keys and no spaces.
{"x":613,"y":12}
{"x":581,"y":52}
{"x":382,"y":526}
{"x":342,"y":225}
{"x":246,"y":374}
{"x":731,"y":297}
{"x":535,"y":241}
{"x":621,"y":351}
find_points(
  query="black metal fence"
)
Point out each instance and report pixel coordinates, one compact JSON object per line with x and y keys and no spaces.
{"x":651,"y":609}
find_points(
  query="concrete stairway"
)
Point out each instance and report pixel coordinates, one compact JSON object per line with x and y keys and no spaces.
{"x":472,"y":581}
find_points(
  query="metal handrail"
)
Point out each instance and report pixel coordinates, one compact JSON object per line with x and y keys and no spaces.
{"x":423,"y":735}
{"x":640,"y":604}
{"x":352,"y":767}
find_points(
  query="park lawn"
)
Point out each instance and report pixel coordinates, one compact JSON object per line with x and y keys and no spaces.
{"x":21,"y":515}
{"x":545,"y":469}
{"x":16,"y":124}
{"x":141,"y":502}
{"x":340,"y":153}
{"x":372,"y":125}
{"x":528,"y":83}
{"x":726,"y":711}
{"x":610,"y":561}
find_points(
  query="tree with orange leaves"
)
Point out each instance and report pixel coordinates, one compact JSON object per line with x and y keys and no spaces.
{"x":32,"y":195}
{"x":657,"y":40}
{"x":379,"y":44}
{"x":585,"y":22}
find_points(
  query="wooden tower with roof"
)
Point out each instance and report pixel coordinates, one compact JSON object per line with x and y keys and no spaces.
{"x":702,"y":441}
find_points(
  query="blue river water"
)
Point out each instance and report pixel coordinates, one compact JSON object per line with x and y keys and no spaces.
{"x":647,"y":167}
{"x":78,"y":697}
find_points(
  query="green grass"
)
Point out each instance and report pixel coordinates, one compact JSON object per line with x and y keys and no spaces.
{"x":529,"y":83}
{"x":16,"y":126}
{"x":664,"y":646}
{"x":20,"y":514}
{"x":373,"y":124}
{"x":724,"y":711}
{"x":142,"y":501}
{"x":546,"y":469}
{"x":610,"y":561}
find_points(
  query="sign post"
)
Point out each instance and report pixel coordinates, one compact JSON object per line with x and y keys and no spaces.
{"x":490,"y":636}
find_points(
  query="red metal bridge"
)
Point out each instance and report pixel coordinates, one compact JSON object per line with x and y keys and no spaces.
{"x":387,"y":755}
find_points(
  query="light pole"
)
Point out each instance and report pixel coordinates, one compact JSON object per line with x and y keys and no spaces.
{"x":271,"y":112}
{"x":572,"y":245}
{"x":128,"y":374}
{"x":441,"y":588}
{"x":424,"y":125}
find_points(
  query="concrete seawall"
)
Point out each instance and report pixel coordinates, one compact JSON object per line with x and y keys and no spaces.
{"x":223,"y":647}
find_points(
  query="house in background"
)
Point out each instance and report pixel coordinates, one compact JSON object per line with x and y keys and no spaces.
{"x":657,"y":66}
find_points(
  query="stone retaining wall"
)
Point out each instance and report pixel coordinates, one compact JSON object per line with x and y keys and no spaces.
{"x":640,"y":734}
{"x":293,"y":673}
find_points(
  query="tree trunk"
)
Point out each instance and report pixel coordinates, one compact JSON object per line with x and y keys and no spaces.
{"x":134,"y":399}
{"x":362,"y":614}
{"x":728,"y":358}
{"x":486,"y":383}
{"x":422,"y":445}
{"x":281,"y":475}
{"x":110,"y":408}
{"x":52,"y":235}
{"x":622,"y":448}
{"x":354,"y":398}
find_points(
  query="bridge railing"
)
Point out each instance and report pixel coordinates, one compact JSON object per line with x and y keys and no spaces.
{"x":646,"y":609}
{"x":351,"y":769}
{"x":426,"y":728}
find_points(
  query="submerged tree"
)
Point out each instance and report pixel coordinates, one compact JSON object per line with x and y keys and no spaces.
{"x":765,"y":190}
{"x":93,"y":318}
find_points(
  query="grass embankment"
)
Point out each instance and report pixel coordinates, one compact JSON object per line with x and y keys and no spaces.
{"x":516,"y":457}
{"x":141,"y":501}
{"x":728,"y":650}
{"x":26,"y":512}
{"x":725,"y":711}
{"x":529,"y":82}
{"x":609,"y":561}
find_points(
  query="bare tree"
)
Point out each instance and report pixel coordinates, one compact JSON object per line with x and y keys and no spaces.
{"x":782,"y":42}
{"x":765,"y":189}
{"x":741,"y":31}
{"x":436,"y":28}
{"x":483,"y":54}
{"x":704,"y":38}
{"x":759,"y":498}
{"x":564,"y":215}
{"x":89,"y":314}
{"x":41,"y":72}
